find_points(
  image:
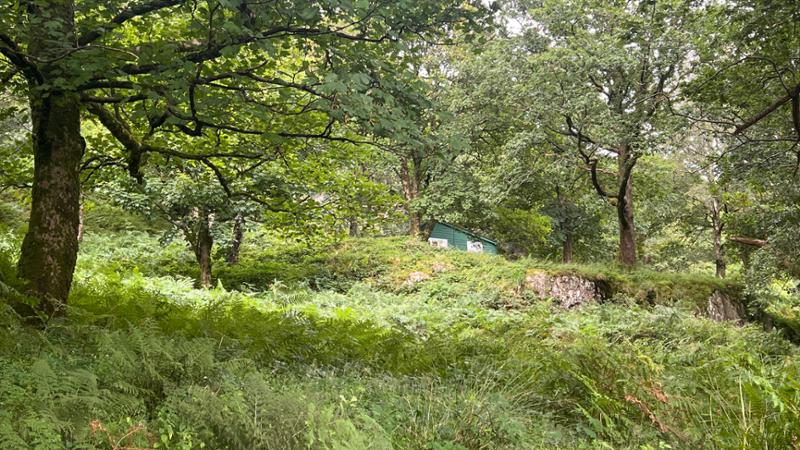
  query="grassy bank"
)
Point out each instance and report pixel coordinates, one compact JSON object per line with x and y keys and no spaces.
{"x":343,"y":352}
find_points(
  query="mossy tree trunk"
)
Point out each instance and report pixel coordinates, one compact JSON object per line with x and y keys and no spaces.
{"x":50,"y":247}
{"x":352,"y":228}
{"x":624,"y":203}
{"x":202,"y":252}
{"x":197,"y":231}
{"x":415,"y":225}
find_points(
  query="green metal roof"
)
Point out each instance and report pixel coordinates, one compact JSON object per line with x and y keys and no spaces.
{"x":465,"y":231}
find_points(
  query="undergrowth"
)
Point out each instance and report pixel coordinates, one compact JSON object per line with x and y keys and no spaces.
{"x":344,"y":352}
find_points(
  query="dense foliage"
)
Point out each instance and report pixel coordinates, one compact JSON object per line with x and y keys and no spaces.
{"x":214,"y":214}
{"x":461,"y":359}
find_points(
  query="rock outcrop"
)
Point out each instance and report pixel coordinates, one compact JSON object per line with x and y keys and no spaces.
{"x":721,"y":307}
{"x":568,"y":290}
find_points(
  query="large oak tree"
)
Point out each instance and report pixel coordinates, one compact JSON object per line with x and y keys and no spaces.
{"x":601,"y":74}
{"x":274,"y":71}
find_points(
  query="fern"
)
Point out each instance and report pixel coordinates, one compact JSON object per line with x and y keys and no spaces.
{"x":143,"y":358}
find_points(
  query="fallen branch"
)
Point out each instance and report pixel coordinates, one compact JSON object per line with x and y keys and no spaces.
{"x":786,"y":262}
{"x":753,"y":242}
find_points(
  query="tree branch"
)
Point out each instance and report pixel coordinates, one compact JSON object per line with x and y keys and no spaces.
{"x":124,"y":136}
{"x":590,"y":162}
{"x":113,"y":100}
{"x":136,"y":149}
{"x":752,"y":242}
{"x":767,"y":111}
{"x":11,"y":51}
{"x":220,"y":177}
{"x":124,"y":16}
{"x":211,"y":52}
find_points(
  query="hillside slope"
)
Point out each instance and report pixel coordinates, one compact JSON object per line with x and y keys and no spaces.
{"x":386,"y":343}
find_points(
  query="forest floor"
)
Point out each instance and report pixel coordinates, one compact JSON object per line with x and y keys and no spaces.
{"x":382,"y":343}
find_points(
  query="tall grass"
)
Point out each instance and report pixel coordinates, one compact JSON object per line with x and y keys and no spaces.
{"x":345,"y":354}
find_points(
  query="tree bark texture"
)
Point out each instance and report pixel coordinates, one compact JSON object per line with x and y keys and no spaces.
{"x":627,"y":229}
{"x":50,"y":247}
{"x":410,"y":183}
{"x":202,"y":250}
{"x":567,"y":248}
{"x":352,"y":228}
{"x":198,"y":233}
{"x":236,"y":243}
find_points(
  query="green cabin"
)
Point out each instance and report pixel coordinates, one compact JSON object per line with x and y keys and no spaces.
{"x":445,"y":235}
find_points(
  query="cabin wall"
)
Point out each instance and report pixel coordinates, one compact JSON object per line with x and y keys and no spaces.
{"x":458,"y":239}
{"x":444,"y":232}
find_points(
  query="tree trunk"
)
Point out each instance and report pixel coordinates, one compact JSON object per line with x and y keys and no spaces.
{"x":415,"y":225}
{"x":565,"y":226}
{"x":238,"y":235}
{"x":353,"y":230}
{"x":80,"y":222}
{"x":719,"y":260}
{"x":567,"y":248}
{"x":627,"y":237}
{"x":410,"y":184}
{"x":202,"y":252}
{"x":627,"y":230}
{"x":719,"y":251}
{"x":50,"y":247}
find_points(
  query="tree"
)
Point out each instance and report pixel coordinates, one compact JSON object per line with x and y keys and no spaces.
{"x":710,"y":192}
{"x":600,"y":74}
{"x":306,"y":193}
{"x":533,"y":182}
{"x":447,"y":176}
{"x":232,"y":257}
{"x":747,"y":96}
{"x":284,"y":70}
{"x":432,"y":176}
{"x":750,"y":83}
{"x":423,"y":161}
{"x":185,"y":195}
